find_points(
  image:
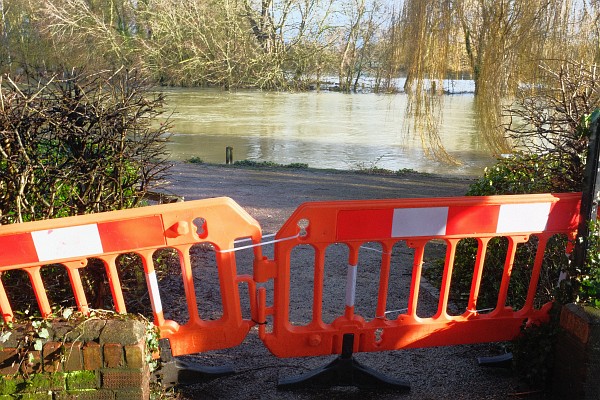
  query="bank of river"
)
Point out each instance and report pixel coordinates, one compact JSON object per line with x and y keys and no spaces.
{"x":271,"y":194}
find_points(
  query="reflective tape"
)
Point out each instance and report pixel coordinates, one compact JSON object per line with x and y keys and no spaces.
{"x":523,"y":217}
{"x":154,"y":293}
{"x":73,"y":241}
{"x":351,"y":285}
{"x":427,"y":221}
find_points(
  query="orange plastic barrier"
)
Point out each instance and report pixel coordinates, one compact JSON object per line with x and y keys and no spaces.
{"x":220,"y":222}
{"x":71,"y":241}
{"x":415,"y":221}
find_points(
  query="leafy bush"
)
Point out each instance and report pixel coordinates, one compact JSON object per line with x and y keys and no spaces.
{"x":524,"y":173}
{"x":77,"y":143}
{"x":195,"y":160}
{"x":533,"y":351}
{"x":588,"y":280}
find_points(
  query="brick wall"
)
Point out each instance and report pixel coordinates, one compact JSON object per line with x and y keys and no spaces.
{"x":577,"y":361}
{"x":89,"y":368}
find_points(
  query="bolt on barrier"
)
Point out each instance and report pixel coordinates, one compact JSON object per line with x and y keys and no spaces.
{"x":376,"y":227}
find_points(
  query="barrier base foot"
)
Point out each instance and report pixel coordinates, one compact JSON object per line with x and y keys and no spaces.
{"x":501,"y":361}
{"x":343,"y":371}
{"x":177,"y":372}
{"x":182,"y":373}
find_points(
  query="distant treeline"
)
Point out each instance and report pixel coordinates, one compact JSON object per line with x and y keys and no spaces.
{"x":292,"y":44}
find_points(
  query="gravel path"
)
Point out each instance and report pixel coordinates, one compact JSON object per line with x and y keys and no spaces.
{"x":270,"y":196}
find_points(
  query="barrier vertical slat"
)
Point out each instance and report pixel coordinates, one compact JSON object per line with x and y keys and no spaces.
{"x":5,"y":307}
{"x":78,"y":292}
{"x":350,"y":290}
{"x":506,"y":274}
{"x":415,"y":283}
{"x":247,"y":279}
{"x":226,"y":263}
{"x":384,"y":278}
{"x":351,"y":272}
{"x":477,"y":273}
{"x":114,"y":283}
{"x":319,"y":274}
{"x":39,"y":290}
{"x":262,"y":312}
{"x":446,"y":278}
{"x":188,"y":283}
{"x":152,"y":285}
{"x":535,"y":272}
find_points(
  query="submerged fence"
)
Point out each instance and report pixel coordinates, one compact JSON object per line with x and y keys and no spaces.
{"x":339,"y":233}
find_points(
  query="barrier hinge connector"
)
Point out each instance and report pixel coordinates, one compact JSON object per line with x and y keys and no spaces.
{"x":264,"y":270}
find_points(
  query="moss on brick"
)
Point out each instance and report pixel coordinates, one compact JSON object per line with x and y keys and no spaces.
{"x":42,"y":383}
{"x":87,"y":395}
{"x":34,"y":396}
{"x":12,"y":384}
{"x":81,"y":380}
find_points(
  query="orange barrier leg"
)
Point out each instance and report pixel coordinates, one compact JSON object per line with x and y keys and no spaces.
{"x":75,"y":278}
{"x":415,"y":284}
{"x":535,"y":274}
{"x":40,"y":292}
{"x":152,"y":284}
{"x":384,"y":278}
{"x":5,"y":307}
{"x":115,"y":283}
{"x":477,"y":273}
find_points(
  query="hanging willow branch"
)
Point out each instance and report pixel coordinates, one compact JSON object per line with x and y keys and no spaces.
{"x":499,"y":44}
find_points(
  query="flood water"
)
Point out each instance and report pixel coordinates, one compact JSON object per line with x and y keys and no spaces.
{"x":322,"y":129}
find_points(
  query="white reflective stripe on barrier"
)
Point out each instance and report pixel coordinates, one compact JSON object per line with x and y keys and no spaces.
{"x":428,"y":221}
{"x":351,"y":285}
{"x":154,"y":293}
{"x":433,"y":221}
{"x":523,"y":217}
{"x":74,"y":241}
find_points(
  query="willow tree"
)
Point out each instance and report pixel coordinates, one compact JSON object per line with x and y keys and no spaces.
{"x":500,"y":44}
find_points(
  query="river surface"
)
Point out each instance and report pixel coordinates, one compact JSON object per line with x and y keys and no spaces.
{"x":322,"y":129}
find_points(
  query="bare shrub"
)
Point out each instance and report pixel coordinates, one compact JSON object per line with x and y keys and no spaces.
{"x":77,"y":143}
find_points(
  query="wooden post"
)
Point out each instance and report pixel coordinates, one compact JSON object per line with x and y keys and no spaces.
{"x":589,"y":198}
{"x":228,"y":155}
